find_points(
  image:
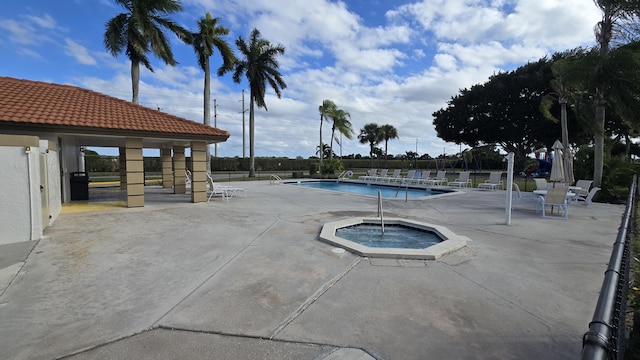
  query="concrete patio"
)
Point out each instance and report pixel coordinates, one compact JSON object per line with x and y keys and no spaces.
{"x":249,"y":279}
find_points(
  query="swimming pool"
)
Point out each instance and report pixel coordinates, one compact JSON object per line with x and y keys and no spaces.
{"x":387,"y":191}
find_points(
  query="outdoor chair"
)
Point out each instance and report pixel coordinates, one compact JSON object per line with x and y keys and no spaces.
{"x":425,"y":175}
{"x":381,"y":176}
{"x":371,"y":173}
{"x":187,"y":177}
{"x":524,"y":196}
{"x":224,"y":191}
{"x":541,"y":183}
{"x":439,"y":179}
{"x":393,"y":177}
{"x":410,"y":175}
{"x":585,"y":186}
{"x":586,"y":201}
{"x":556,"y":198}
{"x":463,"y":180}
{"x":494,"y":182}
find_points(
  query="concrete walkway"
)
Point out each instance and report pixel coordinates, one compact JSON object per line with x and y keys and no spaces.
{"x":248,"y":279}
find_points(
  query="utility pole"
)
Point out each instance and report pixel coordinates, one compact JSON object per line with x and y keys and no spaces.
{"x":215,"y":123}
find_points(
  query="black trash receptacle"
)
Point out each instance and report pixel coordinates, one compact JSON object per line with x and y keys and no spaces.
{"x":296,"y":175}
{"x":79,"y":186}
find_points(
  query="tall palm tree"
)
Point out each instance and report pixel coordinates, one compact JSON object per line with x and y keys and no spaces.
{"x":139,"y":30}
{"x":614,"y":15}
{"x":208,"y":37}
{"x":388,"y":133}
{"x":325,"y":109}
{"x":340,"y":119}
{"x":372,"y":135}
{"x":259,"y":64}
{"x":561,"y":93}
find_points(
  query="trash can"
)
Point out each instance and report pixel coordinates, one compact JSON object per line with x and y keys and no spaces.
{"x":296,"y":175}
{"x":79,"y":186}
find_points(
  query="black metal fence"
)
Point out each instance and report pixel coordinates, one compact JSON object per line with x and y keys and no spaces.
{"x":606,"y":338}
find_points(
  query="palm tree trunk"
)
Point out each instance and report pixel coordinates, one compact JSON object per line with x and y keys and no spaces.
{"x":333,"y":131}
{"x":598,"y":140}
{"x":207,"y":106}
{"x":371,"y":154}
{"x":386,"y":142}
{"x":135,"y":81}
{"x":252,"y":159}
{"x":321,"y":151}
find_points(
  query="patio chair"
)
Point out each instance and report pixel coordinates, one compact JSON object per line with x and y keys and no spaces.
{"x":524,"y":196}
{"x":187,"y":177}
{"x":369,"y":175}
{"x":584,"y":186}
{"x":424,"y":176}
{"x":586,"y":201}
{"x":494,"y":182}
{"x":541,"y":183}
{"x":381,"y":176}
{"x":462,"y":181}
{"x":439,"y":179}
{"x":394,"y":177}
{"x":556,"y":197}
{"x":410,"y":175}
{"x":225,"y":191}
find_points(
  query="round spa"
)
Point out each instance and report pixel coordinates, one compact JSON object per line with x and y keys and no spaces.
{"x":402,"y":238}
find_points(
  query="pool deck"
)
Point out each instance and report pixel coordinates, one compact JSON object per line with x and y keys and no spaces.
{"x":249,"y":279}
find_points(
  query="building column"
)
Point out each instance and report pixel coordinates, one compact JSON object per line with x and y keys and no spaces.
{"x":199,"y":171}
{"x":179,"y":186}
{"x":122,"y":158}
{"x":167,"y":168}
{"x":135,"y":172}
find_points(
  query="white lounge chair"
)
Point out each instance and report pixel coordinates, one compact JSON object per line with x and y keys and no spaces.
{"x":494,"y":182}
{"x":224,"y":191}
{"x":381,"y":176}
{"x":187,"y":177}
{"x":424,"y":176}
{"x":556,"y":198}
{"x":411,"y":174}
{"x":524,"y":196}
{"x":541,"y":183}
{"x":439,"y":179}
{"x":393,"y":177}
{"x":371,"y":173}
{"x":585,"y":186}
{"x":586,"y":201}
{"x":462,"y":181}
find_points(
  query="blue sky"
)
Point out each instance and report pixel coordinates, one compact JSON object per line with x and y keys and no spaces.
{"x":389,"y":62}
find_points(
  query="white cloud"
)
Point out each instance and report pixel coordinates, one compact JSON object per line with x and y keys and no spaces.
{"x":78,"y":52}
{"x":46,"y":21}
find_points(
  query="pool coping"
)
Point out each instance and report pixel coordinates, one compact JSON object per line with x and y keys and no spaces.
{"x":448,"y":191}
{"x":451,"y":241}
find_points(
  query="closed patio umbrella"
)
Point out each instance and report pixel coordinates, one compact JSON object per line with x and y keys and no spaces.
{"x":568,"y":167}
{"x":557,"y":167}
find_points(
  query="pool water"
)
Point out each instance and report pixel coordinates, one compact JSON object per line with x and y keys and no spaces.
{"x":395,"y":236}
{"x":388,"y":192}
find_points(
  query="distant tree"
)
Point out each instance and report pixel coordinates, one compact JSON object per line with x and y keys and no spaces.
{"x":340,"y":119}
{"x":259,"y":64}
{"x":208,"y":37}
{"x":388,"y":133}
{"x":370,"y":134}
{"x":140,"y":30}
{"x":325,"y":110}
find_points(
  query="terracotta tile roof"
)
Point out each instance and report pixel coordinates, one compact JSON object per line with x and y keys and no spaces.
{"x":47,"y":105}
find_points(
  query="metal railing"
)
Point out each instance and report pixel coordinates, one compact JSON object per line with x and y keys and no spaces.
{"x":380,"y":212}
{"x":606,"y":338}
{"x":275,"y":179}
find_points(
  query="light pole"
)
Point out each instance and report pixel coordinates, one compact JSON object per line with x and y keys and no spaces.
{"x":244,"y":154}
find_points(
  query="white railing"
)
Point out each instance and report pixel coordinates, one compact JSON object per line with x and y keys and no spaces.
{"x":347,"y":174}
{"x":275,"y":179}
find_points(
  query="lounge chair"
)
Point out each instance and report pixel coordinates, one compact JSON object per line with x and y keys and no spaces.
{"x":585,"y":186}
{"x":411,"y":174}
{"x":371,"y":173}
{"x":586,"y":201}
{"x":439,"y":179}
{"x":494,"y":182}
{"x":393,"y":177}
{"x":524,"y":196}
{"x":462,"y":181}
{"x":187,"y":177}
{"x":224,"y":191}
{"x":424,"y":176}
{"x":381,"y":176}
{"x":541,"y":183}
{"x":556,"y":197}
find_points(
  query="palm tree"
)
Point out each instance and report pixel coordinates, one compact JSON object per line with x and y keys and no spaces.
{"x":140,"y":30}
{"x":561,"y":93}
{"x":614,"y":15}
{"x":260,"y":66}
{"x":209,"y":35}
{"x":388,"y":133}
{"x":325,"y":109}
{"x":372,"y":135}
{"x":340,"y":119}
